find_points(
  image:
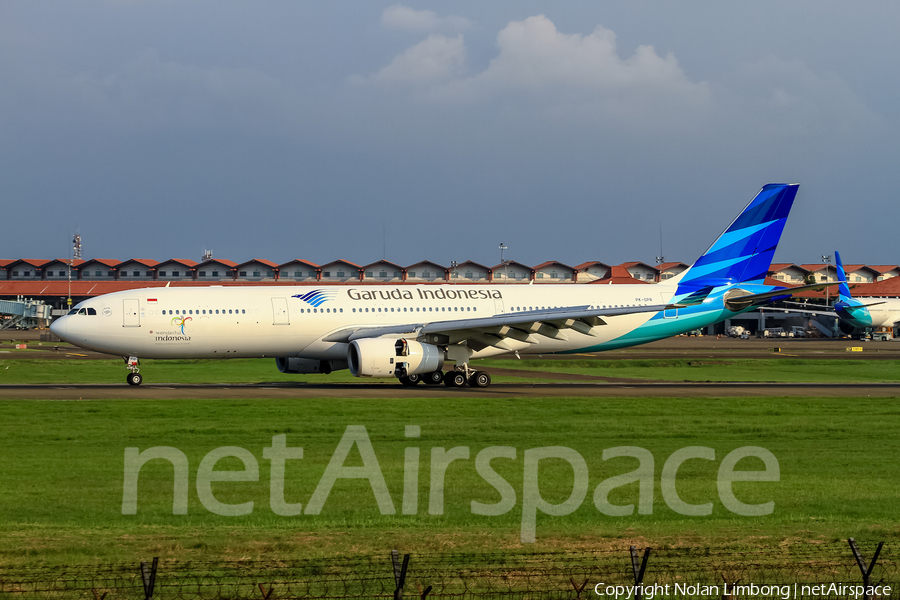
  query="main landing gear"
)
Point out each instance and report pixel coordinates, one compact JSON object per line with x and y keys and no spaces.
{"x":133,"y":378}
{"x":459,"y":377}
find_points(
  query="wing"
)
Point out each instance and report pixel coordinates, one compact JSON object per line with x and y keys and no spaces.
{"x":481,"y":332}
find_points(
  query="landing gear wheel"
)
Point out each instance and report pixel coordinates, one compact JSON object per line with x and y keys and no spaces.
{"x":134,"y":379}
{"x":455,"y":379}
{"x":433,"y":378}
{"x":481,"y":379}
{"x":411,"y":379}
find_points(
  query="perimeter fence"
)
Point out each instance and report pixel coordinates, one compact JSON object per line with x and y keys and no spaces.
{"x":790,"y":571}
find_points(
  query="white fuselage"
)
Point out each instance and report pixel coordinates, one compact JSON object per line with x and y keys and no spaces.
{"x":885,"y":312}
{"x":275,"y":321}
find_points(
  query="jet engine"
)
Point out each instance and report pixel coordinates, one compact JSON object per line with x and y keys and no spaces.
{"x":380,"y":357}
{"x":300,"y":366}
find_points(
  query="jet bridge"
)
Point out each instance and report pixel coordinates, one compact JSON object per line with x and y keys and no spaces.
{"x":23,"y":313}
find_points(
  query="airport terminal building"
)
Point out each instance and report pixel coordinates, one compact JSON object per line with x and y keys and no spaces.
{"x":51,"y":279}
{"x":57,"y":282}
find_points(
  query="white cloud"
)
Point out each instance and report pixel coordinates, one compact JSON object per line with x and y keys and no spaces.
{"x":533,"y":54}
{"x":561,"y":74}
{"x":422,"y":21}
{"x":434,"y":60}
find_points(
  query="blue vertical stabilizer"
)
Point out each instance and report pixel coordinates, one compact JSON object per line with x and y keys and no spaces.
{"x":743,"y":253}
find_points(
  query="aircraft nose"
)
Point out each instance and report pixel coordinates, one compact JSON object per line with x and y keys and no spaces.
{"x":59,"y":328}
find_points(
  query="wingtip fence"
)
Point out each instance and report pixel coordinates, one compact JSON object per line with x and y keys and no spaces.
{"x":829,"y":570}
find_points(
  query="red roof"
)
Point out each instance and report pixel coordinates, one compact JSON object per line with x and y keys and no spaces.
{"x":261,"y":261}
{"x":433,"y":264}
{"x":585,"y":265}
{"x":296,"y":260}
{"x":782,"y":266}
{"x":141,"y":261}
{"x":815,"y":267}
{"x":109,"y":262}
{"x":887,"y":287}
{"x":669,"y":265}
{"x":884,"y":268}
{"x":553,"y":262}
{"x":342,"y":261}
{"x":510,"y":264}
{"x":34,"y":262}
{"x":383,"y":262}
{"x":777,"y":282}
{"x":218,"y":261}
{"x":636,"y":263}
{"x":474,"y":264}
{"x":853,"y":268}
{"x":75,"y":261}
{"x":617,"y":275}
{"x":181,"y":261}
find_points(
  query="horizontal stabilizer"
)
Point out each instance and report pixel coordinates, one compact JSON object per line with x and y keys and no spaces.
{"x":740,"y":302}
{"x":851,"y":307}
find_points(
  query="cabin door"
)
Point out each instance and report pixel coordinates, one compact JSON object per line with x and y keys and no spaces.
{"x":280,"y":311}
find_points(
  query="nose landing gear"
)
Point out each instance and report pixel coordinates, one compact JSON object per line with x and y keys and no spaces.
{"x":133,"y":378}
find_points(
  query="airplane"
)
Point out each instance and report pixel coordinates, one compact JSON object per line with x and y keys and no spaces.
{"x":860,"y":313}
{"x":412,"y":332}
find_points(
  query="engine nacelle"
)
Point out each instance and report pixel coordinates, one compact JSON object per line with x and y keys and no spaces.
{"x":379,"y":357}
{"x":300,"y":366}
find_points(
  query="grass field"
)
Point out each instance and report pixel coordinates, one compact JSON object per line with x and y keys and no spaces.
{"x":62,"y":471}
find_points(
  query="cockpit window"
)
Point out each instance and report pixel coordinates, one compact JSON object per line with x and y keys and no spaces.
{"x":91,"y":311}
{"x":83,"y":311}
{"x":74,"y":311}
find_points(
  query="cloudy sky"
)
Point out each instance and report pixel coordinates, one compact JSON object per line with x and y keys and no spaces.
{"x":568,"y":131}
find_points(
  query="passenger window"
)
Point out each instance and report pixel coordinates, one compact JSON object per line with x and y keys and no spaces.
{"x":243,"y":312}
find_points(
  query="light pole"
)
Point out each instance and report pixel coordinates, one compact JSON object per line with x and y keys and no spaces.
{"x":826,"y":258}
{"x":76,"y":255}
{"x":503,"y":263}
